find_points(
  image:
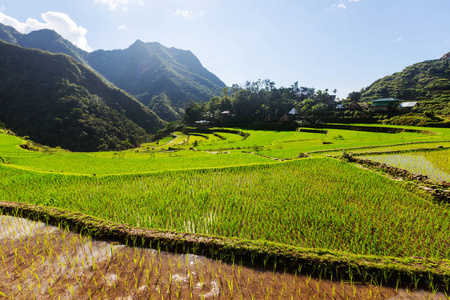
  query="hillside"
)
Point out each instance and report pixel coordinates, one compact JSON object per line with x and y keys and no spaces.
{"x":57,"y":101}
{"x":163,"y":79}
{"x":9,"y":34}
{"x":45,"y":39}
{"x":428,"y":81}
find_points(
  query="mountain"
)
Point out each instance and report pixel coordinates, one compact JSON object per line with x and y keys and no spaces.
{"x":164,"y":79}
{"x":428,"y":81}
{"x":447,"y":55}
{"x":58,"y":101}
{"x":9,"y":34}
{"x":45,"y":39}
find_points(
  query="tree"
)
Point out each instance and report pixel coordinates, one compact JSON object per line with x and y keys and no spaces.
{"x":193,"y":112}
{"x":354,"y":96}
{"x":311,"y":109}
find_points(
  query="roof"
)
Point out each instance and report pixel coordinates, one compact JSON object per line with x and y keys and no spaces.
{"x":385,"y":101}
{"x":284,"y":118}
{"x":202,"y":122}
{"x":408,"y":104}
{"x":293,"y":111}
{"x":299,"y":93}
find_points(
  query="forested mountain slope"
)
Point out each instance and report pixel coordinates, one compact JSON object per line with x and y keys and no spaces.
{"x":164,"y":79}
{"x":57,"y":101}
{"x":428,"y":80}
{"x":45,"y":39}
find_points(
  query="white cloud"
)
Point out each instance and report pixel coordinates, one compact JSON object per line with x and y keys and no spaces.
{"x":59,"y":22}
{"x":122,"y":27}
{"x":399,"y":39}
{"x":334,"y":6}
{"x":2,"y":8}
{"x":113,"y":4}
{"x":188,"y":14}
{"x":353,"y":0}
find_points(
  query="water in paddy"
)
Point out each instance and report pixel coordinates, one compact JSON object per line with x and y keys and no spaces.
{"x":45,"y":262}
{"x":414,"y":163}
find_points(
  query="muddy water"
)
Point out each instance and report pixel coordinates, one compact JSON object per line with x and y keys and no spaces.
{"x":44,"y":262}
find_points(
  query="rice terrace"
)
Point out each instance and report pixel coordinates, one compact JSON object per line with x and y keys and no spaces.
{"x":337,"y":212}
{"x":216,"y":150}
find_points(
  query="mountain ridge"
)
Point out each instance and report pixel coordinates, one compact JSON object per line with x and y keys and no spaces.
{"x":44,"y":39}
{"x":148,"y":71}
{"x":58,"y":101}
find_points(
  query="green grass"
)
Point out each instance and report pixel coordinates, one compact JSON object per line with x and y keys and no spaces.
{"x":441,"y":159}
{"x":314,"y":203}
{"x":153,"y":157}
{"x":127,"y":163}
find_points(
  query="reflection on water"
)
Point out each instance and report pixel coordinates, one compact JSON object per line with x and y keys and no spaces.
{"x":413,"y":163}
{"x":42,"y":262}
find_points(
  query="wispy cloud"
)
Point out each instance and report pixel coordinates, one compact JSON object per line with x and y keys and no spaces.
{"x":59,"y":22}
{"x":340,"y":5}
{"x":2,"y":8}
{"x":399,"y":40}
{"x":188,"y":14}
{"x":122,"y":27}
{"x":336,"y":6}
{"x":113,"y":4}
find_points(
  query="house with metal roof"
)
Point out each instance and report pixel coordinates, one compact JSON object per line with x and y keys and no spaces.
{"x":385,"y":104}
{"x":407,"y":106}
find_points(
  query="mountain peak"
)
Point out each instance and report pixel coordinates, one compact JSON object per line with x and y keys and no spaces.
{"x":138,"y":42}
{"x":9,"y":34}
{"x":44,"y":39}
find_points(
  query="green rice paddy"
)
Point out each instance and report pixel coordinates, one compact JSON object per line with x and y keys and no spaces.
{"x":312,"y":203}
{"x":229,"y":191}
{"x":228,"y":184}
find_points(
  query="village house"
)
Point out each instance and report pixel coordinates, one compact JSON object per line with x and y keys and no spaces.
{"x":385,"y":104}
{"x":407,"y":106}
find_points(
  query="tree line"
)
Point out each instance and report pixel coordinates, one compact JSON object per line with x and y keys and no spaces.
{"x":261,"y":100}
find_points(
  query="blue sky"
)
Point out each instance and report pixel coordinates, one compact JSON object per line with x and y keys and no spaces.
{"x":334,"y":44}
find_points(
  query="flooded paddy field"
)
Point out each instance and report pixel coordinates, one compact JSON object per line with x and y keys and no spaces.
{"x":45,"y":262}
{"x":435,"y":165}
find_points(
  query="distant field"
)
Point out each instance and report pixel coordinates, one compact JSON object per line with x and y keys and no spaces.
{"x":226,"y":148}
{"x":126,"y":162}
